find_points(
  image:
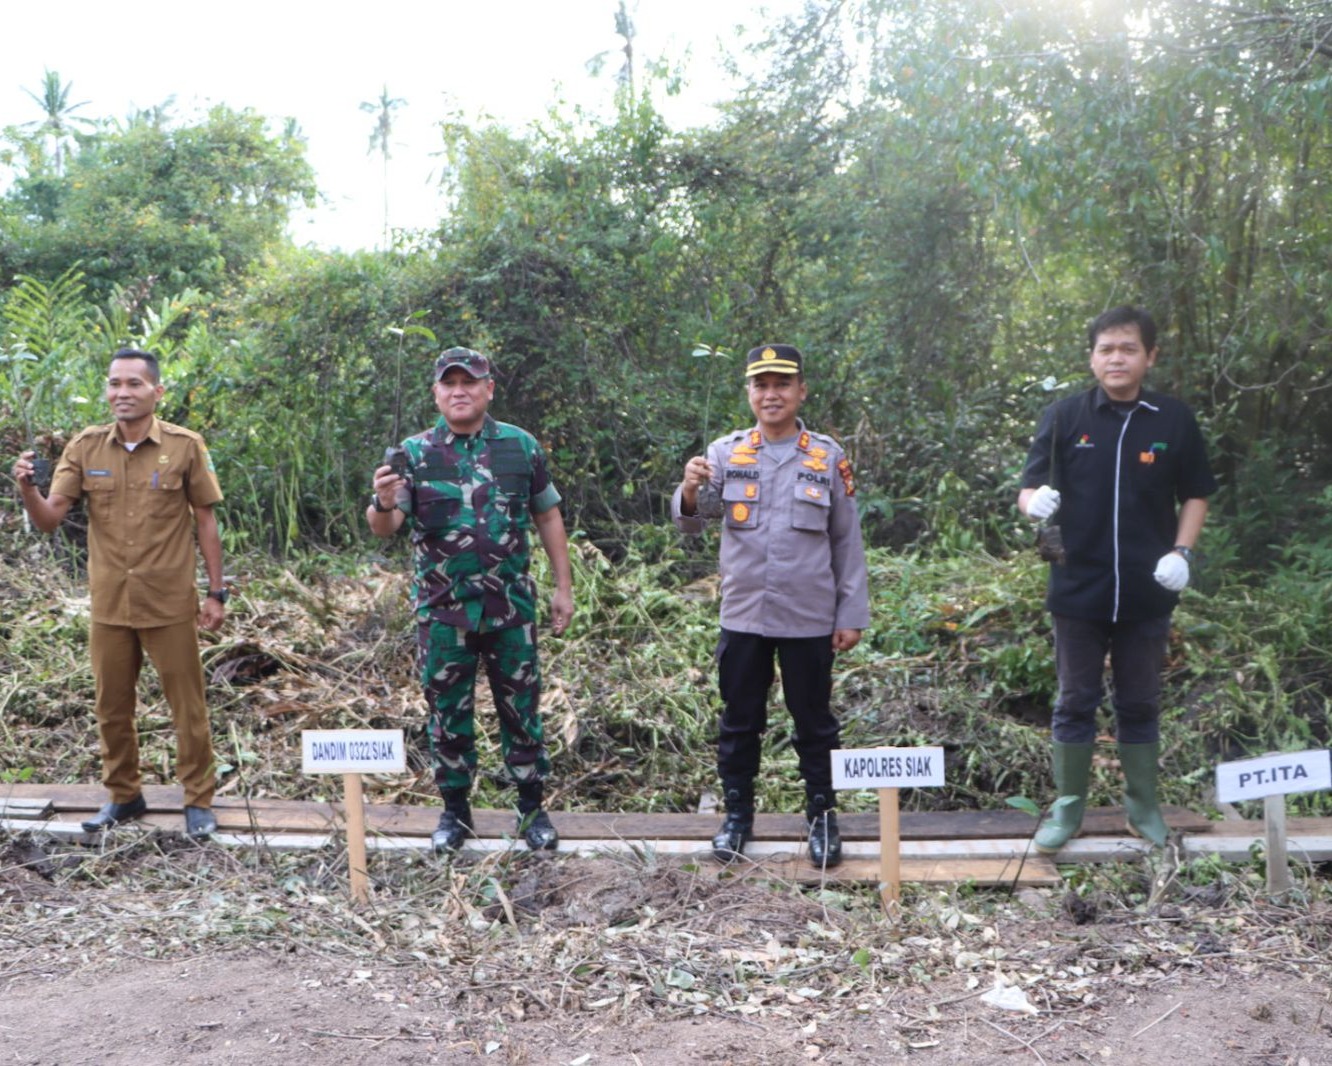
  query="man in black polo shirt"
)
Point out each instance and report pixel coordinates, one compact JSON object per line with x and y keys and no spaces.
{"x":1127,"y":472}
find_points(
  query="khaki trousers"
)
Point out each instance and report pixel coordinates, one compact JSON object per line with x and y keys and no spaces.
{"x":117,"y":657}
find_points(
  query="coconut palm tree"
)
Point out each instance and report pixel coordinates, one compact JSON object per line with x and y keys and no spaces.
{"x":60,"y":120}
{"x":383,"y":109}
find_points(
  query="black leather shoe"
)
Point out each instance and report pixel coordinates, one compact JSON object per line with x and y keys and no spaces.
{"x":112,"y":814}
{"x":199,"y":823}
{"x":825,"y":841}
{"x":736,"y":831}
{"x":537,"y":831}
{"x":454,"y":827}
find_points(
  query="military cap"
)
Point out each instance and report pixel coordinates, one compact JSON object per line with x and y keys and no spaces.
{"x":474,"y":363}
{"x":773,"y":359}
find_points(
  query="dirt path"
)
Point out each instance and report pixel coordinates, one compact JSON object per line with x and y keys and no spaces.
{"x":162,"y":951}
{"x":258,"y":1008}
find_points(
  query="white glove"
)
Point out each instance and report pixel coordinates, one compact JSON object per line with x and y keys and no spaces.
{"x":1172,"y":572}
{"x":1043,"y":503}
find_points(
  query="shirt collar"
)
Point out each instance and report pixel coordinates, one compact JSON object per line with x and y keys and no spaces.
{"x":1101,"y":400}
{"x":801,"y":438}
{"x":154,"y":433}
{"x":489,"y":429}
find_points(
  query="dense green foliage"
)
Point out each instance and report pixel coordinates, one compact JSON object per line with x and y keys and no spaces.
{"x":958,"y":655}
{"x":931,"y":199}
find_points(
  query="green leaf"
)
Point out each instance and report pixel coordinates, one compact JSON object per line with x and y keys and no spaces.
{"x":1025,"y":805}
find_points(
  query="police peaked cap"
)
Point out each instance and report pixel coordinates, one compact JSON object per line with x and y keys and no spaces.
{"x":773,"y":359}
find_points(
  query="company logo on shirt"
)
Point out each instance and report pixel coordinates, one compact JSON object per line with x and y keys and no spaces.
{"x":1084,"y":441}
{"x":1149,"y":456}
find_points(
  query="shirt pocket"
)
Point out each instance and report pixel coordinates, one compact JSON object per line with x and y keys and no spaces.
{"x":740,"y":499}
{"x":164,"y":494}
{"x":514,"y":498}
{"x":99,"y":494}
{"x":1152,"y":475}
{"x":811,"y":507}
{"x":438,"y":506}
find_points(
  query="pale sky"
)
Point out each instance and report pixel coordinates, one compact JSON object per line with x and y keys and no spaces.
{"x":510,"y":59}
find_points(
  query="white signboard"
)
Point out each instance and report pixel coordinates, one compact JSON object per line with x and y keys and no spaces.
{"x":1273,"y":775}
{"x":888,"y":768}
{"x":352,"y":751}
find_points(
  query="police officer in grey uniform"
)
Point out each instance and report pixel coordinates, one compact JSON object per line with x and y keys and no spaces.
{"x":794,"y":586}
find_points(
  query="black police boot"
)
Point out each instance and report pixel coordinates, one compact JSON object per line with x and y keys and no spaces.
{"x":825,"y":841}
{"x":738,"y":828}
{"x":533,"y":822}
{"x":455,"y":822}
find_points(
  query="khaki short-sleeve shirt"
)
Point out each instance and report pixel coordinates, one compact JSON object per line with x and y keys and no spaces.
{"x":141,"y":545}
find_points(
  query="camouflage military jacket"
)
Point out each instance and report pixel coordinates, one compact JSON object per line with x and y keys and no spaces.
{"x":469,"y":509}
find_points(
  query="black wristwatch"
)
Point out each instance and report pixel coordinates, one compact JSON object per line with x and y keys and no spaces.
{"x":374,"y":502}
{"x":221,"y":595}
{"x":1179,"y":549}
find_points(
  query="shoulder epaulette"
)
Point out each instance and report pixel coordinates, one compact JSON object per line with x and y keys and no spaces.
{"x":177,"y":431}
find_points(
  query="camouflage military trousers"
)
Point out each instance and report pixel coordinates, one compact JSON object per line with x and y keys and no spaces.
{"x":447,"y":658}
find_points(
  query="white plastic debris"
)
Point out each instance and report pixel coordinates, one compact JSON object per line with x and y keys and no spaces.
{"x":1008,"y":997}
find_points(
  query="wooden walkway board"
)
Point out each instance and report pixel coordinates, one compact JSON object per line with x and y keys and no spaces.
{"x":989,"y":847}
{"x":13,"y":807}
{"x":303,"y":816}
{"x":1037,"y":870}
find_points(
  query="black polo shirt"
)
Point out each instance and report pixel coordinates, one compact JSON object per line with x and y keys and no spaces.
{"x":1120,"y":476}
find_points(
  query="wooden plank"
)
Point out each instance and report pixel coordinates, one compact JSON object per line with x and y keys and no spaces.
{"x":1248,"y":829}
{"x":25,"y":808}
{"x":1309,"y":841}
{"x":1302,"y":848}
{"x":306,"y":815}
{"x":774,"y":864}
{"x":1038,"y":871}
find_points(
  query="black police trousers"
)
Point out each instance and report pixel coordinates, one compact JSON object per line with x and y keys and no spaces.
{"x":745,"y":674}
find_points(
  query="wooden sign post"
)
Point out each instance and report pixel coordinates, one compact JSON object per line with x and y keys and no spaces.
{"x":352,"y":752}
{"x":1270,"y":778}
{"x":888,"y":769}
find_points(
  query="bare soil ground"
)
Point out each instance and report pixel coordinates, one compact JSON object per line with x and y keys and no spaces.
{"x":153,"y":950}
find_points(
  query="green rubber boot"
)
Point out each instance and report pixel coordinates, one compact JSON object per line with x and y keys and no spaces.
{"x":1072,"y":768}
{"x":1144,"y":813}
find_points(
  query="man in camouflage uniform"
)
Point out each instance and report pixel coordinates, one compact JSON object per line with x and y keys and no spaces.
{"x":794,"y":586}
{"x":473,"y":490}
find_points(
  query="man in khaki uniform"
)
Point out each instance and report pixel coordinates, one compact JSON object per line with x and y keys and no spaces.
{"x":148,"y":487}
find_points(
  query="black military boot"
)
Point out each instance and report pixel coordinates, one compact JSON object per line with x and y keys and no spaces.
{"x":455,"y":822}
{"x":825,"y":841}
{"x":533,"y":822}
{"x":738,"y":828}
